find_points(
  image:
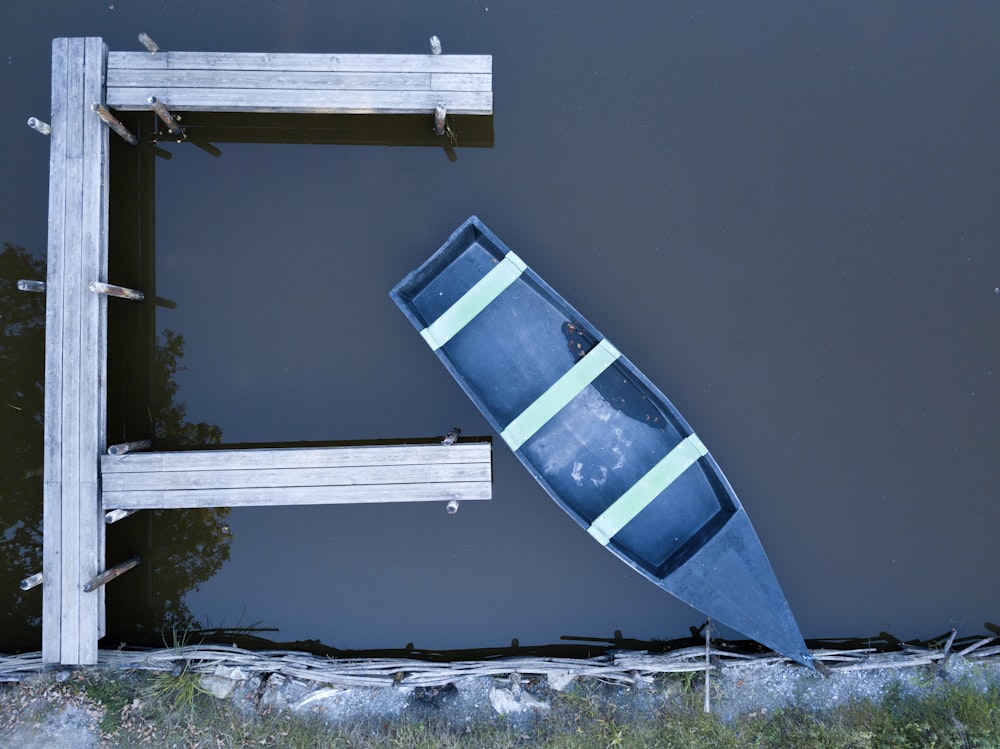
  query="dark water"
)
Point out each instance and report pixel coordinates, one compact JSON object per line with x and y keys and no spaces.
{"x":786,"y":215}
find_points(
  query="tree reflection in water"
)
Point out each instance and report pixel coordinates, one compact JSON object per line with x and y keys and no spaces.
{"x":180,"y":549}
{"x":22,"y":349}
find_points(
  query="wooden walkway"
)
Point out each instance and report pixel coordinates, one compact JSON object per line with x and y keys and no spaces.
{"x":297,"y":476}
{"x":303,"y":83}
{"x":75,"y":354}
{"x":85,"y":78}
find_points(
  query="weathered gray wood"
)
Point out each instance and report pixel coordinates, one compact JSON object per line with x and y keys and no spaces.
{"x":347,"y":63}
{"x":164,"y":114}
{"x":115,"y":515}
{"x":240,"y":478}
{"x":32,"y":581}
{"x":280,"y":478}
{"x":130,"y":447}
{"x":303,"y":101}
{"x":110,"y":289}
{"x":307,"y":495}
{"x":103,"y":578}
{"x":86,"y":78}
{"x":75,"y":353}
{"x":147,"y":41}
{"x":303,"y":457}
{"x":111,"y":121}
{"x":52,"y":471}
{"x":288,"y":79}
{"x":43,"y":127}
{"x":314,"y":83}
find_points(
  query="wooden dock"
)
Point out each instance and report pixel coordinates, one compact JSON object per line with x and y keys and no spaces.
{"x":80,"y":480}
{"x":75,"y":355}
{"x":296,"y":476}
{"x":301,"y":83}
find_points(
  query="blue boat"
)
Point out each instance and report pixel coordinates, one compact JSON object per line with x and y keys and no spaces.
{"x":600,"y":438}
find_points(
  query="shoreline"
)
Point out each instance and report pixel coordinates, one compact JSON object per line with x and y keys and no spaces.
{"x":512,"y":694}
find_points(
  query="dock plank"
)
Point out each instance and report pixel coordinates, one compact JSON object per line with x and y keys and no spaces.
{"x":294,"y":496}
{"x":297,"y":457}
{"x":53,"y":473}
{"x":295,"y":101}
{"x":296,"y":61}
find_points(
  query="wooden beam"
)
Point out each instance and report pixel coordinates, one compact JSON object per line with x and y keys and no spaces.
{"x":297,"y":476}
{"x":75,"y":354}
{"x":301,"y":83}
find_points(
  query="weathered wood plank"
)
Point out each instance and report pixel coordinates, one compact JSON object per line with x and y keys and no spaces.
{"x":449,"y":82}
{"x":309,"y":495}
{"x":305,"y":457}
{"x":94,"y":348}
{"x":343,"y":63}
{"x":53,"y":474}
{"x":154,"y":80}
{"x":291,"y":478}
{"x":69,"y":631}
{"x":286,"y":79}
{"x":301,"y":101}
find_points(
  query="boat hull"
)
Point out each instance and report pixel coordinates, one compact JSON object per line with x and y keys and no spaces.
{"x":595,"y":433}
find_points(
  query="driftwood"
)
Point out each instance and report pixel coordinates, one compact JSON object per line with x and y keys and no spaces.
{"x":621,"y":667}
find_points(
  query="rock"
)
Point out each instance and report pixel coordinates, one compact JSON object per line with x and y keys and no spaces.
{"x":506,"y":703}
{"x":559,"y":680}
{"x":217,"y":686}
{"x":230,"y":672}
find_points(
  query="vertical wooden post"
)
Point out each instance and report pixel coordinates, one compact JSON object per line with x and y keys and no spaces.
{"x":36,"y":286}
{"x":31,"y":581}
{"x":145,"y":40}
{"x":164,"y":114}
{"x":110,"y":120}
{"x":123,"y":448}
{"x":439,"y":118}
{"x":452,"y":506}
{"x":435,"y":45}
{"x":109,"y":289}
{"x":43,"y":127}
{"x":110,"y":574}
{"x":114,"y":516}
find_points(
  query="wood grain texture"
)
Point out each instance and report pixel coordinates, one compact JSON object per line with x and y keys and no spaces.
{"x":299,"y":476}
{"x":301,"y":83}
{"x":75,"y":393}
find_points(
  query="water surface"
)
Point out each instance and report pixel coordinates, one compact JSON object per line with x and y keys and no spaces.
{"x":784,"y":215}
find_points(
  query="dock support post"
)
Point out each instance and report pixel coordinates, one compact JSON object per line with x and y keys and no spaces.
{"x":164,"y":114}
{"x":452,"y":506}
{"x":115,"y":515}
{"x":111,"y":121}
{"x":110,"y":574}
{"x":43,"y":127}
{"x":37,"y":286}
{"x":439,"y":118}
{"x":31,"y":581}
{"x":121,"y":292}
{"x":146,"y":41}
{"x":123,"y":448}
{"x":435,"y":45}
